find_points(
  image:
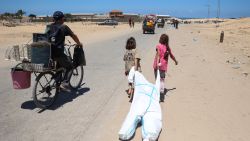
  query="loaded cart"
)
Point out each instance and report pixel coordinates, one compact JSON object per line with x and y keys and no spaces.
{"x":36,"y":59}
{"x":149,"y":23}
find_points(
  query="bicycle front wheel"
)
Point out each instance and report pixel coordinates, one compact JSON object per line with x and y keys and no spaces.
{"x":76,"y":77}
{"x":45,"y":90}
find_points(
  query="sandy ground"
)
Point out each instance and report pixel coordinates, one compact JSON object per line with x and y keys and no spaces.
{"x":210,"y":102}
{"x":87,"y":32}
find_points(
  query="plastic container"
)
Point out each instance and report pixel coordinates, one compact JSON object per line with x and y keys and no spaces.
{"x":40,"y":53}
{"x":40,"y":37}
{"x":21,"y":79}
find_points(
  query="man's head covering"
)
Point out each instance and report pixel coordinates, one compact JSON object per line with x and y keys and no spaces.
{"x":58,"y":15}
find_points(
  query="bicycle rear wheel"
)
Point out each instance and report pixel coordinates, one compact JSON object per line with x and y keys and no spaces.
{"x":45,"y":90}
{"x":76,"y":77}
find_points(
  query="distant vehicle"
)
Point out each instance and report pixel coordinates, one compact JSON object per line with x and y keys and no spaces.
{"x":108,"y":22}
{"x":160,"y":23}
{"x":149,"y":23}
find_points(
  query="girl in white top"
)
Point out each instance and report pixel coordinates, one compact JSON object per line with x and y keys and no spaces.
{"x":131,"y":58}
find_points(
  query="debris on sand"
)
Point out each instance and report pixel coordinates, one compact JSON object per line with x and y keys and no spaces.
{"x":9,"y":24}
{"x":236,"y":66}
{"x":236,"y":63}
{"x":245,"y":74}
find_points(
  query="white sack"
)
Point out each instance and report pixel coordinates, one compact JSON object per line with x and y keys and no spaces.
{"x":145,"y":107}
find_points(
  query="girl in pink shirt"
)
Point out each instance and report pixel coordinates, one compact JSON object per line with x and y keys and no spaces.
{"x":161,"y":60}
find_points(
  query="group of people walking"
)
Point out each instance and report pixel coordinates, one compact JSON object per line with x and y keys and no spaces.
{"x":131,"y":23}
{"x":58,"y":31}
{"x":132,"y":58}
{"x":175,"y":23}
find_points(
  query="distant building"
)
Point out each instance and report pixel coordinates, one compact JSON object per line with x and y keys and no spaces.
{"x":101,"y":16}
{"x":124,"y":17}
{"x":93,"y":17}
{"x":43,"y":18}
{"x":133,"y":16}
{"x":82,"y":16}
{"x":165,"y":17}
{"x":116,"y":14}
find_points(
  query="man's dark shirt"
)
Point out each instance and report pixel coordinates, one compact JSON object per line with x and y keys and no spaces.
{"x":57,"y":33}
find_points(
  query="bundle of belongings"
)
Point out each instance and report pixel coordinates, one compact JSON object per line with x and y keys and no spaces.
{"x":150,"y":23}
{"x":151,"y":17}
{"x":145,"y":108}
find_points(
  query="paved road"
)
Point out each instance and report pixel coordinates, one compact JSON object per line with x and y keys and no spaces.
{"x":82,"y":115}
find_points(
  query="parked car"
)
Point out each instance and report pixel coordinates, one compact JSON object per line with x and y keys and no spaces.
{"x":148,"y":24}
{"x":108,"y":22}
{"x":160,"y":23}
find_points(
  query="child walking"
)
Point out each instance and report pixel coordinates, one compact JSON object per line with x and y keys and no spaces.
{"x":131,"y":58}
{"x":161,"y":61}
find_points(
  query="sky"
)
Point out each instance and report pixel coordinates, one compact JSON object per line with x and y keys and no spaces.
{"x":176,"y":8}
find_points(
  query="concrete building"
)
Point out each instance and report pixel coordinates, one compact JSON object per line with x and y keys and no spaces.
{"x":116,"y":14}
{"x":165,"y":17}
{"x":82,"y":16}
{"x":133,"y":16}
{"x":92,"y":17}
{"x":124,"y":17}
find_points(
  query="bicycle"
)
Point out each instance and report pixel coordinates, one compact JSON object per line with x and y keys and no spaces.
{"x":47,"y":83}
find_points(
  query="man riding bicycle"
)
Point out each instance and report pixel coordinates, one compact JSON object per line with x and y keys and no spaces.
{"x":57,"y":32}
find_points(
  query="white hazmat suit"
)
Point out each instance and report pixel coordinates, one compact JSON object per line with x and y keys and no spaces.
{"x":145,"y":108}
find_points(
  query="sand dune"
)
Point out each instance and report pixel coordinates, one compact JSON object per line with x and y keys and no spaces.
{"x":236,"y":40}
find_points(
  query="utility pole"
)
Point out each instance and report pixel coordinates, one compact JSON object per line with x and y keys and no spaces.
{"x":218,"y":13}
{"x":218,"y":10}
{"x":208,"y":9}
{"x":218,"y":16}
